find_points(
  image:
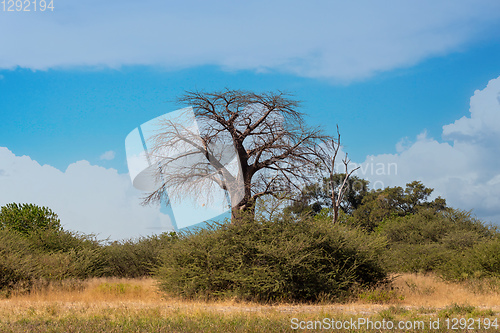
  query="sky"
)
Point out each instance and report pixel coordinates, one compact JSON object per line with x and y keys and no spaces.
{"x":413,"y":85}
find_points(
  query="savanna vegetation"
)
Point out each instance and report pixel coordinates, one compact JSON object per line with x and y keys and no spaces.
{"x":295,"y":255}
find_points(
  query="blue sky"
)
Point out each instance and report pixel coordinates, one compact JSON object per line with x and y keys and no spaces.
{"x":398,"y":79}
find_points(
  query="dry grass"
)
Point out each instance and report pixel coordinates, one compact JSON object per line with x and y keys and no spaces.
{"x":100,"y":296}
{"x":92,"y":290}
{"x":430,"y":291}
{"x":410,"y":290}
{"x":108,"y":302}
{"x":127,"y":305}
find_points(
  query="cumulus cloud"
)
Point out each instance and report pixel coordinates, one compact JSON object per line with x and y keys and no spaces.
{"x":108,"y":156}
{"x":87,"y":198}
{"x":463,"y":168}
{"x":343,"y":40}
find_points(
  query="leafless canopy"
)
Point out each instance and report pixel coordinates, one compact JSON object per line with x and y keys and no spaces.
{"x":327,"y":154}
{"x":277,"y":153}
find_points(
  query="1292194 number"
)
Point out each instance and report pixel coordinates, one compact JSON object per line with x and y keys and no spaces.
{"x":27,"y":5}
{"x":471,"y":323}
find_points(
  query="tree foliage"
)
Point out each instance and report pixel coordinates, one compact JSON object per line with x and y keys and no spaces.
{"x":380,"y":204}
{"x":362,"y":207}
{"x":28,"y":218}
{"x":316,"y":196}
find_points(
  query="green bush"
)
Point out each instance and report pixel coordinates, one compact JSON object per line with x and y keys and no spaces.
{"x":26,"y":218}
{"x":35,"y":248}
{"x":481,"y":261}
{"x":279,"y":260}
{"x":20,"y":262}
{"x":61,"y":240}
{"x":455,"y":310}
{"x":428,"y":226}
{"x":416,"y":258}
{"x":16,"y":262}
{"x":134,"y":258}
{"x":430,"y":240}
{"x":383,"y":296}
{"x":55,"y":255}
{"x":80,"y":264}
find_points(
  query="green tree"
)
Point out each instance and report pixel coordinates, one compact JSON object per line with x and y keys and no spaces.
{"x":317,"y":196}
{"x":355,"y":190}
{"x":414,"y":196}
{"x":310,"y":201}
{"x":381,"y":204}
{"x":27,"y":218}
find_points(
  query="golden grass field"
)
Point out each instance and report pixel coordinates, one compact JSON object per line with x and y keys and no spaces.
{"x":136,"y":305}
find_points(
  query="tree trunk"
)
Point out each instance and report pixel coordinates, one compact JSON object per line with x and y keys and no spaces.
{"x":335,"y":213}
{"x":241,"y":215}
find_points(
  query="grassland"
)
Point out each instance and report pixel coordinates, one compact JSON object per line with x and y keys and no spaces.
{"x":135,"y":305}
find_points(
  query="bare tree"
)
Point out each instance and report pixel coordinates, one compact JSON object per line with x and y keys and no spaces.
{"x":328,"y":154}
{"x":265,"y":133}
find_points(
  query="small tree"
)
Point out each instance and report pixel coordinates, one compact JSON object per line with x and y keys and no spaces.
{"x":27,"y":218}
{"x":317,"y":196}
{"x":328,"y":155}
{"x":380,"y":204}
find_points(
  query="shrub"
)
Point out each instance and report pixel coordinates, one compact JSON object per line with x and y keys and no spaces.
{"x":26,"y":218}
{"x":20,"y":263}
{"x":416,"y":258}
{"x":34,"y":248}
{"x":483,"y":260}
{"x":279,"y":260}
{"x":431,"y":240}
{"x":456,"y":310}
{"x":61,"y":240}
{"x":134,"y":258}
{"x":16,"y":262}
{"x":383,"y":296}
{"x":80,"y":264}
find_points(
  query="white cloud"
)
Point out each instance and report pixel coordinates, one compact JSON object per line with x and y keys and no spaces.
{"x":343,"y":40}
{"x":108,"y":156}
{"x":87,"y":198}
{"x":483,"y":125}
{"x":403,"y":144}
{"x":466,"y":171}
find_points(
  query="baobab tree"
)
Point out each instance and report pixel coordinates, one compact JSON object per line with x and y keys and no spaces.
{"x":275,"y":152}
